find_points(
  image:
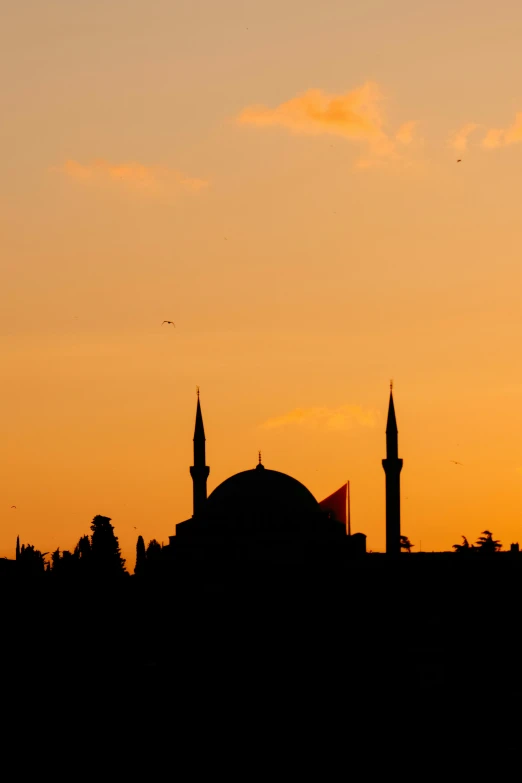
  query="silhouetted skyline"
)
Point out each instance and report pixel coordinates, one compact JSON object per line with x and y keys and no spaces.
{"x":256,"y":515}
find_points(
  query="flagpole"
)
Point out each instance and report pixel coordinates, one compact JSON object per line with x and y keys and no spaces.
{"x":348,"y":509}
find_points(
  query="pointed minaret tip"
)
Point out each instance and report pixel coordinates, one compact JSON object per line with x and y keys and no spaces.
{"x":391,"y":424}
{"x":199,"y":430}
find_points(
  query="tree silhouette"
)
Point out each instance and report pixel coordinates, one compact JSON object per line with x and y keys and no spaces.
{"x":463,"y":548}
{"x":68,"y":561}
{"x":141,"y":556}
{"x":55,"y":559}
{"x":83,"y":555}
{"x":32,"y":559}
{"x":84,"y":547}
{"x":105,"y":549}
{"x":486,"y":544}
{"x":153,"y":550}
{"x":406,"y":543}
{"x":64,"y":563}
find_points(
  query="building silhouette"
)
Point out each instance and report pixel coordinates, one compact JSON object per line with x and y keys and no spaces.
{"x":392,"y":467}
{"x":259,"y":515}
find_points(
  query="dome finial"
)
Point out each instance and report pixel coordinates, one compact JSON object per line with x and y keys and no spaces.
{"x":197,"y":391}
{"x":259,"y":458}
{"x":259,"y":465}
{"x":391,"y":385}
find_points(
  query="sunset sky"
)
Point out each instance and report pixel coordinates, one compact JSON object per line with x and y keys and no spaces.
{"x":280,"y":179}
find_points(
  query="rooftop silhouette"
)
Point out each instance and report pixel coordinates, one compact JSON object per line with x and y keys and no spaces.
{"x":261,"y":557}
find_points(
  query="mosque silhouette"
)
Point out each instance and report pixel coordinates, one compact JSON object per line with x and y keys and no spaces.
{"x":265,"y":515}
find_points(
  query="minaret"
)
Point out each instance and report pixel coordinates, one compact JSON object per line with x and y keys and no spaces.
{"x":392,"y":467}
{"x":199,"y":470}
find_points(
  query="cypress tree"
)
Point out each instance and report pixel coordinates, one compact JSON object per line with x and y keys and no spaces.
{"x":83,"y":552}
{"x":105,"y":549}
{"x":141,"y":557}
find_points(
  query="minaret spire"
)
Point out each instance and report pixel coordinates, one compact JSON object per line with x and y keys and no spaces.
{"x":392,"y":467}
{"x":199,"y":470}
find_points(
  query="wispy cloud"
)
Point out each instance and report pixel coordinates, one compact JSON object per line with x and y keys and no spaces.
{"x":459,"y":139}
{"x":405,"y":133}
{"x":355,"y":115}
{"x":502,"y":137}
{"x":146,"y":179}
{"x":342,"y":418}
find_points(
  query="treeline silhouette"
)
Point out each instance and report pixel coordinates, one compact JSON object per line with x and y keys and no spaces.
{"x":485,"y":545}
{"x":410,"y":623}
{"x":97,"y":555}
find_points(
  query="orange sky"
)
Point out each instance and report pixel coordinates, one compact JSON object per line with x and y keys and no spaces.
{"x":279,"y":179}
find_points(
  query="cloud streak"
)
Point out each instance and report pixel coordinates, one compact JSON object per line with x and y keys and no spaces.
{"x":342,"y":418}
{"x":355,"y":115}
{"x":503,"y":137}
{"x":459,"y":140}
{"x":135,"y":176}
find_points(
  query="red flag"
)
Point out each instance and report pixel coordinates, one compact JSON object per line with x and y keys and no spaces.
{"x":336,"y":504}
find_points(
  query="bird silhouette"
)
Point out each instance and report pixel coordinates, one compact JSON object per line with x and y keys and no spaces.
{"x":455,"y":462}
{"x":169,"y":322}
{"x":13,"y":506}
{"x":459,"y":160}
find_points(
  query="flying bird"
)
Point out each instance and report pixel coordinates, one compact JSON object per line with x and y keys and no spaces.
{"x":459,"y":160}
{"x":13,"y":506}
{"x":169,"y":322}
{"x":456,"y":463}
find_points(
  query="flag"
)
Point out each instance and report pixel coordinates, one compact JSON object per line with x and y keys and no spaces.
{"x":337,"y":504}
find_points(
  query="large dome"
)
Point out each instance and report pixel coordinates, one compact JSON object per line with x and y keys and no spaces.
{"x":261,"y":494}
{"x":261,"y":502}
